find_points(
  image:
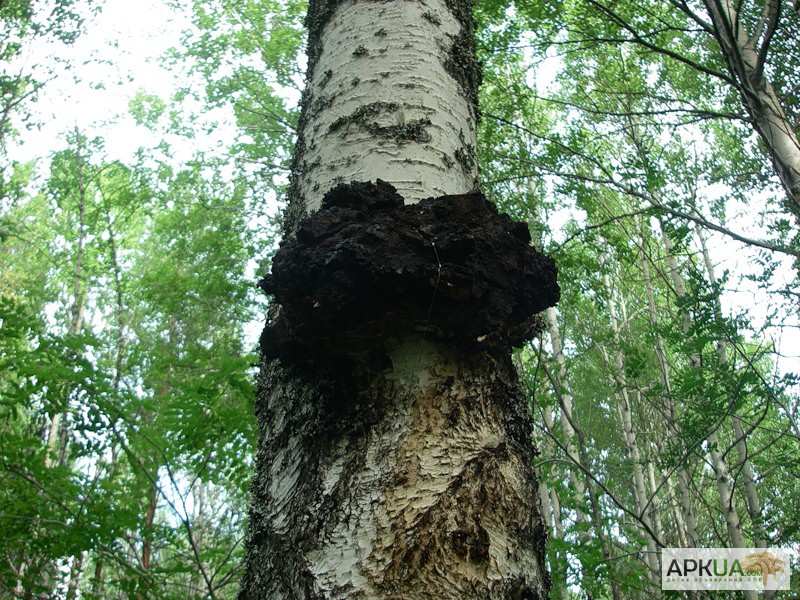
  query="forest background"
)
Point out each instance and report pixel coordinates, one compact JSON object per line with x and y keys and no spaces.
{"x":139,"y":206}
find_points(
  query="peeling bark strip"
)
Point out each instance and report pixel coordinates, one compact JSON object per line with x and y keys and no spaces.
{"x":367,"y":268}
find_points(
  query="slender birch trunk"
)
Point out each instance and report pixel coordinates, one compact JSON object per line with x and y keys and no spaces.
{"x":578,"y":455}
{"x":740,"y":437}
{"x":655,"y":504}
{"x":686,"y":516}
{"x":715,"y":455}
{"x":750,"y":491}
{"x":630,"y":436}
{"x":578,"y":475}
{"x":551,"y":504}
{"x":595,"y":509}
{"x":396,"y":456}
{"x":567,"y":417}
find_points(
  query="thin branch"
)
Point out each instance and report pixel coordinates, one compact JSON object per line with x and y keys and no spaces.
{"x":703,"y":114}
{"x":600,"y":225}
{"x":770,"y":24}
{"x":699,"y":220}
{"x":638,"y":39}
{"x":683,"y":6}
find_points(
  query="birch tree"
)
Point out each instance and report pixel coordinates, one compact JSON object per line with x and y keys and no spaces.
{"x":733,"y":64}
{"x":395,"y":457}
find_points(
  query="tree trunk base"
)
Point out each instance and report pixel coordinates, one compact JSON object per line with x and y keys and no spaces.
{"x":396,"y":453}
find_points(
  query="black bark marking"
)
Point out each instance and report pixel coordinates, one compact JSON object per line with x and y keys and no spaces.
{"x":463,"y":66}
{"x":471,"y":542}
{"x":363,"y":118}
{"x":432,"y":17}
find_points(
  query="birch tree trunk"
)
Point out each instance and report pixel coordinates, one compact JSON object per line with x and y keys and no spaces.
{"x":575,"y":452}
{"x":685,"y":517}
{"x":551,"y":506}
{"x":630,"y":435}
{"x":740,"y":437}
{"x":715,"y":454}
{"x":395,"y":458}
{"x":745,"y":55}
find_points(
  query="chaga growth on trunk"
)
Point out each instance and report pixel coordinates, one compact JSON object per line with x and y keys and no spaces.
{"x":366,"y":268}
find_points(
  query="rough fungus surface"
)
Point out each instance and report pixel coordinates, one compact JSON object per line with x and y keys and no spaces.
{"x":367,"y":268}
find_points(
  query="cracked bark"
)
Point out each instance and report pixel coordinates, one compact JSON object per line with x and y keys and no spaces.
{"x":395,"y":458}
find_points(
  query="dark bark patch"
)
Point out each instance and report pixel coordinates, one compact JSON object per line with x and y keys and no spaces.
{"x":366,"y":268}
{"x":432,"y":17}
{"x":471,"y":543}
{"x":462,"y":64}
{"x":363,"y":115}
{"x":483,"y":505}
{"x":364,"y":119}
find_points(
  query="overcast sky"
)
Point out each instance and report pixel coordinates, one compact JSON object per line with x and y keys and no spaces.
{"x":115,"y":57}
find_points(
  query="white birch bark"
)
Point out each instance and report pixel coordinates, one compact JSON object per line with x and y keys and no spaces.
{"x":548,"y":496}
{"x":433,"y":500}
{"x":567,"y":416}
{"x":383,"y":105}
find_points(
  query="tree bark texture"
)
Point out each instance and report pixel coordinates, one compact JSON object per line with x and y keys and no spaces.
{"x":418,"y":485}
{"x":396,"y":454}
{"x":391,"y":93}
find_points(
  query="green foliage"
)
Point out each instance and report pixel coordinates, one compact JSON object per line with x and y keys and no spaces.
{"x":247,"y":53}
{"x":624,"y":147}
{"x":23,"y":23}
{"x":124,"y":373}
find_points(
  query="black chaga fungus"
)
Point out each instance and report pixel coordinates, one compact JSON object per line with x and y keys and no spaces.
{"x":366,"y":268}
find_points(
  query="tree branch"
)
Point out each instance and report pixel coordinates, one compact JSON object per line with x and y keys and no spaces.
{"x":772,"y":10}
{"x":638,"y":39}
